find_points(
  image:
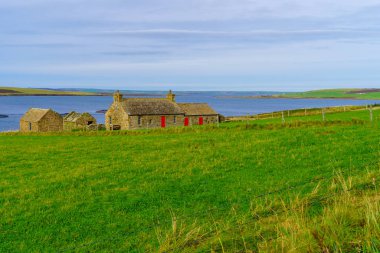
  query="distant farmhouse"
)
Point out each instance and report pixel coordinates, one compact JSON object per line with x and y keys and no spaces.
{"x":76,"y":120}
{"x":139,"y":113}
{"x":41,"y":120}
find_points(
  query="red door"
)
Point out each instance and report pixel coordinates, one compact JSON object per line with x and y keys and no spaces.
{"x":186,"y":122}
{"x":200,"y":120}
{"x":163,"y":121}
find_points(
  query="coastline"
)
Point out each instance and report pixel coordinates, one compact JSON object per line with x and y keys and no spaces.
{"x":285,"y":97}
{"x":76,"y":95}
{"x":53,"y":95}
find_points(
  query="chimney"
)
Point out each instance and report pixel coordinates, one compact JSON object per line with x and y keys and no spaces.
{"x":171,"y":96}
{"x":117,"y":97}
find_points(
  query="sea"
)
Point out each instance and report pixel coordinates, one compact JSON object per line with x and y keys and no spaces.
{"x":225,"y":103}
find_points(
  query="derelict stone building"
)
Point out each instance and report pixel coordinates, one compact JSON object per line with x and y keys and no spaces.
{"x":41,"y":120}
{"x":76,"y":120}
{"x":139,"y":113}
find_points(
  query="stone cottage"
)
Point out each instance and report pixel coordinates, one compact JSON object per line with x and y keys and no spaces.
{"x":139,"y":113}
{"x":76,"y":120}
{"x":41,"y":120}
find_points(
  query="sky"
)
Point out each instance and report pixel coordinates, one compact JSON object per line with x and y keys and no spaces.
{"x":271,"y":45}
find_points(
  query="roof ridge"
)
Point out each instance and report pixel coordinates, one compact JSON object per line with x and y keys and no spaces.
{"x":36,"y":108}
{"x":201,"y":103}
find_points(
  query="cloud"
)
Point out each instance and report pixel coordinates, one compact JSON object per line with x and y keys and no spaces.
{"x":141,"y":40}
{"x":221,"y":33}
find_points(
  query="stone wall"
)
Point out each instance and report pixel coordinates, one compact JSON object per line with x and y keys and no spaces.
{"x":69,"y":126}
{"x":194,"y":120}
{"x":118,"y":116}
{"x":24,"y":126}
{"x":51,"y":122}
{"x":154,"y":121}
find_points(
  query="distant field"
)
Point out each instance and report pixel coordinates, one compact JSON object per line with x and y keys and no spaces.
{"x":11,"y":91}
{"x":308,"y":114}
{"x":336,"y":93}
{"x":266,"y":186}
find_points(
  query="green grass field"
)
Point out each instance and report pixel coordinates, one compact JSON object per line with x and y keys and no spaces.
{"x":335,"y":93}
{"x":305,"y":185}
{"x":13,"y":91}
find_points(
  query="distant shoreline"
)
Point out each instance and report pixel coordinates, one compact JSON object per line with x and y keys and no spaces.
{"x":53,"y":95}
{"x":77,"y":95}
{"x":289,"y":97}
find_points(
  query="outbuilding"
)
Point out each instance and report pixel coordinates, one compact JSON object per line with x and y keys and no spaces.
{"x":76,"y":120}
{"x":41,"y":120}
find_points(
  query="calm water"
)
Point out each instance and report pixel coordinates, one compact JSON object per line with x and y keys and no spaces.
{"x":16,"y":106}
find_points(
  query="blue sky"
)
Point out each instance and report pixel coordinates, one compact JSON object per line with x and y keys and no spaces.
{"x":190,"y":44}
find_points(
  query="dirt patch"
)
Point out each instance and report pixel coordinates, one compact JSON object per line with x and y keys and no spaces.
{"x":9,"y":91}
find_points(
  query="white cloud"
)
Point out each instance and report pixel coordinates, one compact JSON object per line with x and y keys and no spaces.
{"x":190,"y":10}
{"x":148,"y":38}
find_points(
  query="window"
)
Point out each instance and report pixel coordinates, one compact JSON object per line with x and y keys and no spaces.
{"x":30,"y":126}
{"x":150,"y":122}
{"x":139,"y":120}
{"x":110,"y":120}
{"x":175,"y":119}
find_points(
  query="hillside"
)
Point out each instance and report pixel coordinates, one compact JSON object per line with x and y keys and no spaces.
{"x":12,"y":91}
{"x":335,"y":93}
{"x":305,"y":185}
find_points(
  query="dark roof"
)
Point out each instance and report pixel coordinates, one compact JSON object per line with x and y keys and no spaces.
{"x":34,"y":114}
{"x":74,"y":116}
{"x":150,"y":106}
{"x":197,"y":109}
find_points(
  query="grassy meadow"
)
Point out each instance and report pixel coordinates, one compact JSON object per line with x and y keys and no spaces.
{"x":262,"y":185}
{"x":13,"y":91}
{"x":336,"y":93}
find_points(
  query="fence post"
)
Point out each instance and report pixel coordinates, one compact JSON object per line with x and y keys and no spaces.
{"x":305,"y":111}
{"x":323,"y":114}
{"x":288,"y":113}
{"x":283,"y":118}
{"x":370,"y":113}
